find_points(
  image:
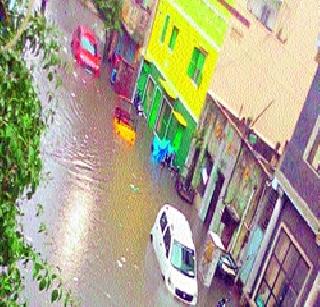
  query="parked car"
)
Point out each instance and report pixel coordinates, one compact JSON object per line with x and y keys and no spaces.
{"x":227,"y":267}
{"x":123,"y":121}
{"x":84,"y":48}
{"x":172,"y":241}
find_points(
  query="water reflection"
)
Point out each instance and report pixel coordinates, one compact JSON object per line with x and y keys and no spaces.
{"x":76,"y":224}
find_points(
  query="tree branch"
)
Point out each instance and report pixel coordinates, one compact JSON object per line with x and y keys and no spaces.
{"x":11,"y":44}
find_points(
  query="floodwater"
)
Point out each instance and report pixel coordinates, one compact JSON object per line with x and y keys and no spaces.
{"x":98,"y":223}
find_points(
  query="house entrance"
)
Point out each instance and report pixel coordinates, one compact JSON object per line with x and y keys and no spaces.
{"x":214,"y":199}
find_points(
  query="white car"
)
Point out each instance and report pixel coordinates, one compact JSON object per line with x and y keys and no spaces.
{"x":171,"y":239}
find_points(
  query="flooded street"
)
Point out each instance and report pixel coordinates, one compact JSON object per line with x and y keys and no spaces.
{"x":98,"y":225}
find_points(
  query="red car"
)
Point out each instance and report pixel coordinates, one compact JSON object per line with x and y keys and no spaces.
{"x":84,"y":48}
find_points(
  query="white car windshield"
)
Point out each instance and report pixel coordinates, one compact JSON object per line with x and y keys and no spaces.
{"x":182,"y":258}
{"x":87,"y":45}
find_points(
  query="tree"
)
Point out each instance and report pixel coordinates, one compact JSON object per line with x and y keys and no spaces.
{"x":21,"y":126}
{"x":110,"y":12}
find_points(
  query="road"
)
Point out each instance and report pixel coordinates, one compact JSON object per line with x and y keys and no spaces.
{"x":95,"y":220}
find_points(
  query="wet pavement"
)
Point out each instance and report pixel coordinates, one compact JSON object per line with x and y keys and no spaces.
{"x":98,"y":225}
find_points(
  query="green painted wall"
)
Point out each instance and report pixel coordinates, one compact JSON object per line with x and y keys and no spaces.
{"x":187,"y":132}
{"x":187,"y":135}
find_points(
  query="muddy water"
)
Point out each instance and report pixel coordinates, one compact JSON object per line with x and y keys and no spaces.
{"x":100,"y":196}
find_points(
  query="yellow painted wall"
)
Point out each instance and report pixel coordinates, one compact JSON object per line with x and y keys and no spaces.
{"x":173,"y":65}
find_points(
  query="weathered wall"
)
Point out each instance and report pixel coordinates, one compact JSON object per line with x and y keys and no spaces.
{"x":255,"y":67}
{"x":299,"y":173}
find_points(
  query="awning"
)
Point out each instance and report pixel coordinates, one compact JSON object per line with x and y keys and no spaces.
{"x":168,"y":88}
{"x":179,"y":117}
{"x":147,"y":58}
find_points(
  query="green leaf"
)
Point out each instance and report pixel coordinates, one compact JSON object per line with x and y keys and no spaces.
{"x":67,"y":299}
{"x":54,"y":295}
{"x":42,"y":227}
{"x":35,"y":270}
{"x":60,"y":295}
{"x":42,"y":284}
{"x":58,"y":82}
{"x":50,"y":76}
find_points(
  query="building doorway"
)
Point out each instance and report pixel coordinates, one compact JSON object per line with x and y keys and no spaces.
{"x":231,"y":223}
{"x":214,"y":199}
{"x":190,"y":172}
{"x":148,"y":95}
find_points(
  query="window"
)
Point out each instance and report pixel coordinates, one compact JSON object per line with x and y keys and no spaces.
{"x":207,"y":165}
{"x":312,"y":152}
{"x":285,"y":275}
{"x":167,"y":241}
{"x":266,"y":11}
{"x":163,"y":221}
{"x":196,"y":65}
{"x":164,"y":118}
{"x":173,"y":37}
{"x":182,"y":258}
{"x":148,"y":96}
{"x":165,"y":28}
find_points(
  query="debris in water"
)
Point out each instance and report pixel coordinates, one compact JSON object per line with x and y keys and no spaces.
{"x":119,"y":263}
{"x":73,"y":95}
{"x":134,"y":188}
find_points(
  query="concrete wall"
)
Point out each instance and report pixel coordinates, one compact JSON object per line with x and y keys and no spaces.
{"x":255,"y":67}
{"x":294,"y":166}
{"x":305,"y":239}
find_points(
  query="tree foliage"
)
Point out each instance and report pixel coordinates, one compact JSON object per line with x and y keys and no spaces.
{"x":21,"y":126}
{"x":110,"y":12}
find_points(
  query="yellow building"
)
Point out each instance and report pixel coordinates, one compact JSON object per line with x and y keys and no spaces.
{"x":179,"y":63}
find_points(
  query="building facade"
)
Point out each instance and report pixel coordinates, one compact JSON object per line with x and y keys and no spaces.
{"x":178,"y":65}
{"x":231,"y":170}
{"x":136,"y":20}
{"x":264,"y":69}
{"x":287,"y":267}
